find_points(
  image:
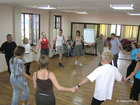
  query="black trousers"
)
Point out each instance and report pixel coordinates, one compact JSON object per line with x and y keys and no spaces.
{"x":96,"y":102}
{"x":27,"y":67}
{"x":7,"y":61}
{"x":131,"y":68}
{"x":44,"y":100}
{"x":115,"y":59}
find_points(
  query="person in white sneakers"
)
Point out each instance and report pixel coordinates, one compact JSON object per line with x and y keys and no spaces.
{"x":105,"y":77}
{"x":78,"y":47}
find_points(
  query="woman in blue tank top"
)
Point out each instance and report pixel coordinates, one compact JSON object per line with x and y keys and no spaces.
{"x":135,"y":90}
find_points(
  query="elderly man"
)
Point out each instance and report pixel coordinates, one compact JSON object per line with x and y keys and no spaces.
{"x":8,"y":48}
{"x":100,"y":42}
{"x":105,"y":77}
{"x":115,"y":48}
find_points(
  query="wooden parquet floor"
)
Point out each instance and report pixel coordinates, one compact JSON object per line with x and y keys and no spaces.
{"x":69,"y":77}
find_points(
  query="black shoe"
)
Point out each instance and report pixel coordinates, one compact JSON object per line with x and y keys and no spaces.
{"x":28,"y":73}
{"x":60,"y":65}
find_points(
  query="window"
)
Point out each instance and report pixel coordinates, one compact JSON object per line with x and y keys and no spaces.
{"x":130,"y":32}
{"x":118,"y":32}
{"x":103,"y":29}
{"x":57,"y":22}
{"x":30,"y":27}
{"x":134,"y":33}
{"x":113,"y":28}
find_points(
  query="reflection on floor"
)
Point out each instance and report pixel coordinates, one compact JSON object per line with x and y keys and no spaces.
{"x":69,"y":77}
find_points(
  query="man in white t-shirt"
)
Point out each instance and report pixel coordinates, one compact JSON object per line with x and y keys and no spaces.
{"x":105,"y":77}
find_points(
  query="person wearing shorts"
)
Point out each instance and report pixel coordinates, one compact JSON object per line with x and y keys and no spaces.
{"x":58,"y":40}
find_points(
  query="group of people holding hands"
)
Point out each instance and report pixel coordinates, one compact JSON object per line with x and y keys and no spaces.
{"x":44,"y":80}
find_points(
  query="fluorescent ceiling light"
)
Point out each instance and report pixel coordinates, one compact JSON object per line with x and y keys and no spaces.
{"x":134,"y":14}
{"x":81,"y":12}
{"x":45,"y":7}
{"x":122,"y":6}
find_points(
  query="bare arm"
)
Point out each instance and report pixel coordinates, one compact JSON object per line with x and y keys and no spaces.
{"x":38,"y":45}
{"x":50,"y":45}
{"x":27,"y":76}
{"x":84,"y":41}
{"x":34,"y":81}
{"x":56,"y":84}
{"x":84,"y":81}
{"x":54,"y":40}
{"x":65,"y":41}
{"x":134,"y":72}
{"x":72,"y":42}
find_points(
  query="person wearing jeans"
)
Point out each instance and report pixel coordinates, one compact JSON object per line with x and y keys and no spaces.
{"x":18,"y":77}
{"x":115,"y":48}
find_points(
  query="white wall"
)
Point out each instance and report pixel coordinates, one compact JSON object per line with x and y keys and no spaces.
{"x":105,"y":18}
{"x":10,"y":23}
{"x":6,"y":27}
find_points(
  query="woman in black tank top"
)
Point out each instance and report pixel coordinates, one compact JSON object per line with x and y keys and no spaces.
{"x":43,"y":82}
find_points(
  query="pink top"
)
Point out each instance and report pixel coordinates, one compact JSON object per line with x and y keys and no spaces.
{"x":78,"y":41}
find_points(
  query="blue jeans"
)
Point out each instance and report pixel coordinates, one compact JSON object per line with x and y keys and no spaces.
{"x":17,"y":86}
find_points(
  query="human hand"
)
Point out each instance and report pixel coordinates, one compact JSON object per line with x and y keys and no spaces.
{"x":124,"y":52}
{"x":74,"y":89}
{"x":125,"y":81}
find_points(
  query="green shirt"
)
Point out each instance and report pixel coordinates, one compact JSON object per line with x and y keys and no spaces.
{"x":100,"y":44}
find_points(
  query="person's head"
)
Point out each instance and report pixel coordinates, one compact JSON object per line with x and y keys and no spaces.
{"x":19,"y":51}
{"x":43,"y":61}
{"x":77,"y":33}
{"x":107,"y":57}
{"x":60,"y":31}
{"x":113,"y":35}
{"x":9,"y":38}
{"x":43,"y":34}
{"x":134,"y":45}
{"x":25,"y":40}
{"x":69,"y":38}
{"x":101,"y":36}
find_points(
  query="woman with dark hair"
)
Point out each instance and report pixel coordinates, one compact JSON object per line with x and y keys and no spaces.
{"x":135,"y":90}
{"x":44,"y":43}
{"x":78,"y":47}
{"x":43,"y":82}
{"x":133,"y":53}
{"x":18,"y":77}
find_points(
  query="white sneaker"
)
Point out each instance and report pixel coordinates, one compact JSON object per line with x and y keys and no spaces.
{"x":80,"y":65}
{"x":76,"y":62}
{"x":24,"y":104}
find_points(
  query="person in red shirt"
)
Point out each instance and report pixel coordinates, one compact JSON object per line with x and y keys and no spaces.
{"x":44,"y":44}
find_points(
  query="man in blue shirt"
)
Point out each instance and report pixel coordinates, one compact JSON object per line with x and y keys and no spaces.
{"x":115,"y":48}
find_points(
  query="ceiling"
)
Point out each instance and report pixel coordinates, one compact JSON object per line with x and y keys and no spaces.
{"x":91,"y":6}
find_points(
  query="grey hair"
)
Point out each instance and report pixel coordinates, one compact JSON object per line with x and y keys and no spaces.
{"x":108,"y":56}
{"x":8,"y":35}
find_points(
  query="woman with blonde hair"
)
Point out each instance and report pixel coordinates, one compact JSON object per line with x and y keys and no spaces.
{"x":44,"y":43}
{"x":43,"y":82}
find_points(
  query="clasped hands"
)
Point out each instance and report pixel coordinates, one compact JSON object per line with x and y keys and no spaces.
{"x":74,"y":89}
